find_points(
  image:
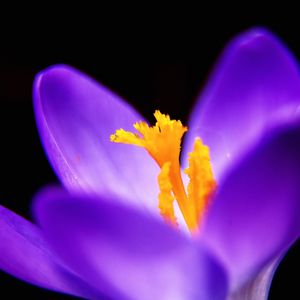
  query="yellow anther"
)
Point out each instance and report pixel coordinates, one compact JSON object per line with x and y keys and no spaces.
{"x":202,"y":183}
{"x":163,"y":143}
{"x":165,"y":197}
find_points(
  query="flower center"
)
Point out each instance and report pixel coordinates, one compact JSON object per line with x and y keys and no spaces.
{"x":163,"y":142}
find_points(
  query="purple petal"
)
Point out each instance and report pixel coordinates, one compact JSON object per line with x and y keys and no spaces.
{"x":139,"y":256}
{"x":25,"y":255}
{"x":257,"y":288}
{"x":255,"y":214}
{"x":76,"y":117}
{"x":255,"y":86}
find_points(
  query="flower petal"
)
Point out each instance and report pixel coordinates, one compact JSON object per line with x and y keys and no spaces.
{"x":25,"y":255}
{"x":255,"y":214}
{"x":76,"y":117}
{"x":139,"y":256}
{"x":255,"y":86}
{"x":257,"y":288}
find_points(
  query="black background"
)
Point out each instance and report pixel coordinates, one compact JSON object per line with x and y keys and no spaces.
{"x":161,"y":65}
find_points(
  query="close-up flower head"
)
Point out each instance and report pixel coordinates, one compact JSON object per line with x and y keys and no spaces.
{"x":161,"y":209}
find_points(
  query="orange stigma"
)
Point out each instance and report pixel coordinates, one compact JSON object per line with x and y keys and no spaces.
{"x":163,"y":142}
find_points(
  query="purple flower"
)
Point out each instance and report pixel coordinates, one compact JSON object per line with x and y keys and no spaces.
{"x":105,"y":235}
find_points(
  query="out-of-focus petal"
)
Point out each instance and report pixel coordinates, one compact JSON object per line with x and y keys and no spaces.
{"x":139,"y":256}
{"x":75,"y":117}
{"x":254,"y":216}
{"x":255,"y":86}
{"x":25,"y":255}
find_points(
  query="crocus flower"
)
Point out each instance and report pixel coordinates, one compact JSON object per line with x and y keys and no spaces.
{"x":116,"y":231}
